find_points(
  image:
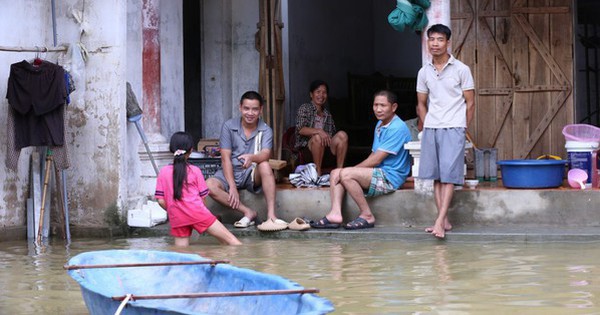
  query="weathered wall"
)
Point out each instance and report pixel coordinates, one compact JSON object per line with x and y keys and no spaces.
{"x":95,"y":125}
{"x":15,"y":184}
{"x":230,"y":60}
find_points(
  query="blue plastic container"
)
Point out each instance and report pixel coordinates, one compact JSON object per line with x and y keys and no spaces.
{"x":532,"y":173}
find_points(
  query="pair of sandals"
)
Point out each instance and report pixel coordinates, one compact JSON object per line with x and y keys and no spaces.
{"x":356,"y":224}
{"x":267,"y":226}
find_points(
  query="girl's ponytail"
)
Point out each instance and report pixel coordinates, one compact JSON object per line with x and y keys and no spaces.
{"x":181,"y":145}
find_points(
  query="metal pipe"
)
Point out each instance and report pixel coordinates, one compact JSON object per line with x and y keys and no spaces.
{"x":53,"y":23}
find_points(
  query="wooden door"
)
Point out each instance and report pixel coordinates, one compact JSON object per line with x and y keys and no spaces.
{"x":271,"y":85}
{"x":520,"y":53}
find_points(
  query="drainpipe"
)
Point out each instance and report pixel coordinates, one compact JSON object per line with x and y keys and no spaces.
{"x":63,"y":181}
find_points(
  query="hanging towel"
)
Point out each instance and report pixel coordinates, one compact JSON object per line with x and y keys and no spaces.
{"x":409,"y":15}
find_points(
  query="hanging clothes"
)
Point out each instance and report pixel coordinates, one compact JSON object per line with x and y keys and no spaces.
{"x":36,"y":111}
{"x":37,"y":95}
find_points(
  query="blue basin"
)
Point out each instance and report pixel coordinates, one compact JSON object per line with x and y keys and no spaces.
{"x":532,"y":173}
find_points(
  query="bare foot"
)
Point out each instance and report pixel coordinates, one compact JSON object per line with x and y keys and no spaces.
{"x":334,"y":218}
{"x":447,"y":227}
{"x":439,"y":233}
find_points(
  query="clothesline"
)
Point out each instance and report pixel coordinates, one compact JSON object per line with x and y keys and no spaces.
{"x":33,"y":49}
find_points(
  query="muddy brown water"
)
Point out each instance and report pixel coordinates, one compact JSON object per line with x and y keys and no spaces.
{"x":359,"y":277}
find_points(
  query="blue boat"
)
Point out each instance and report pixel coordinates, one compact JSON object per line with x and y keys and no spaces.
{"x":157,"y":282}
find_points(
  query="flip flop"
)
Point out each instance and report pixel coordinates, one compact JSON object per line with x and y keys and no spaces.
{"x":358,"y":224}
{"x":299,"y":224}
{"x":324,"y":223}
{"x":243,"y":223}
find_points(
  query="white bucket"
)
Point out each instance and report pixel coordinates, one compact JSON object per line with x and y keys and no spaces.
{"x":582,"y":155}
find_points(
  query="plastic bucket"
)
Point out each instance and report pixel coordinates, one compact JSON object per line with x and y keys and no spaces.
{"x":581,"y":155}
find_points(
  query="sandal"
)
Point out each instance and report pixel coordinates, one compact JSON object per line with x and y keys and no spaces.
{"x":243,"y":223}
{"x":324,"y":223}
{"x":358,"y":224}
{"x":273,"y":225}
{"x":299,"y":224}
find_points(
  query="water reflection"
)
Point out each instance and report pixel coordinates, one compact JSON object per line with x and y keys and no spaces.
{"x":359,"y":277}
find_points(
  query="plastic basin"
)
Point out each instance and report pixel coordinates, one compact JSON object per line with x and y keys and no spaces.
{"x":532,"y":173}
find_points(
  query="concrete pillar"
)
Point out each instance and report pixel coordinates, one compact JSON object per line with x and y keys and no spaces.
{"x":438,"y":13}
{"x":151,"y":68}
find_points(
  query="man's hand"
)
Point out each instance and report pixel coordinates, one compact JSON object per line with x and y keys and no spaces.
{"x":246,"y":159}
{"x":234,"y":198}
{"x":324,"y":137}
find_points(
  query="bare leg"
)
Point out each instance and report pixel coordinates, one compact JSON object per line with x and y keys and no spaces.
{"x":336,"y":193}
{"x":182,"y":241}
{"x":355,"y":179}
{"x":218,"y":193}
{"x":438,"y":194}
{"x":222,"y":234}
{"x":317,"y":151}
{"x":446,"y":193}
{"x":264,"y":177}
{"x":339,"y":148}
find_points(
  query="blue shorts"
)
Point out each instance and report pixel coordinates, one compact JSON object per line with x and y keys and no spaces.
{"x":443,"y":155}
{"x":379,"y":184}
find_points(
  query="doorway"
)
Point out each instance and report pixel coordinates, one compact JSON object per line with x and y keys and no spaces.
{"x":587,"y":52}
{"x":350,"y":45}
{"x":192,"y":70}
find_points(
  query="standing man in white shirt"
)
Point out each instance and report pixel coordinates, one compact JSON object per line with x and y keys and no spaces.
{"x":445,"y":105}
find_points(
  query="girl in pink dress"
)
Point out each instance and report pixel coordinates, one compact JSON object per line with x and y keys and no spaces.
{"x":181,"y":190}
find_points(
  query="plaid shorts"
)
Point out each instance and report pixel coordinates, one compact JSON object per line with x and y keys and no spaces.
{"x":379,"y":184}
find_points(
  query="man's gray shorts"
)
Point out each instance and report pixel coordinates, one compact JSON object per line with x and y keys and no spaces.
{"x":243,"y":180}
{"x":443,"y":155}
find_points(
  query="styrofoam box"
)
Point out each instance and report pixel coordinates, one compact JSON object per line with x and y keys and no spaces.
{"x":150,"y":215}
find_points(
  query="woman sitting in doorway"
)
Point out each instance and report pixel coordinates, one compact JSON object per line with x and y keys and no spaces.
{"x":315,"y":130}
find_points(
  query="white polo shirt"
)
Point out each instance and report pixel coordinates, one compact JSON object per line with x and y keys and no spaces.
{"x":447,"y":107}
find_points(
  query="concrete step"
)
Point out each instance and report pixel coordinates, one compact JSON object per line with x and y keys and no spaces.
{"x":488,"y":205}
{"x":484,"y":234}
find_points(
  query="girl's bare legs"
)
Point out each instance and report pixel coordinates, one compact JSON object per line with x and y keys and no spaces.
{"x":221,"y":233}
{"x":182,"y":241}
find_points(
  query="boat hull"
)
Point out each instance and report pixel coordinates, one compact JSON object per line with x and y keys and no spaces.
{"x":98,"y":286}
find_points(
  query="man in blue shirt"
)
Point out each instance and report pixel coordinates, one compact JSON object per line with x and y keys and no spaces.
{"x":382,"y":172}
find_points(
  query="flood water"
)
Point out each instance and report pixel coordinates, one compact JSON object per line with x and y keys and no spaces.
{"x":385,"y":277}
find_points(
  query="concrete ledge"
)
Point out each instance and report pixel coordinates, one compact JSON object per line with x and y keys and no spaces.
{"x":524,"y":234}
{"x":13,"y":233}
{"x":88,"y":231}
{"x":485,"y":207}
